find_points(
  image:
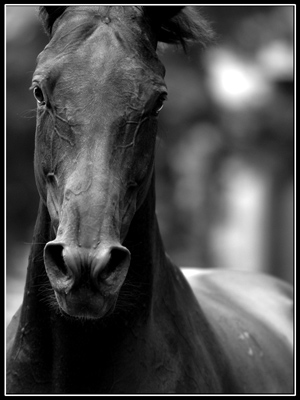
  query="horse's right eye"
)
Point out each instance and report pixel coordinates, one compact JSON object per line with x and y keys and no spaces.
{"x":38,"y":94}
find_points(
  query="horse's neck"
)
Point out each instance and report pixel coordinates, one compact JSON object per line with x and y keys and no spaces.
{"x":149,"y":265}
{"x":32,"y":337}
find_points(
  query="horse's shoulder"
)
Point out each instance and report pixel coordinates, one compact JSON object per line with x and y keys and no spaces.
{"x":243,"y":295}
{"x":251,"y":315}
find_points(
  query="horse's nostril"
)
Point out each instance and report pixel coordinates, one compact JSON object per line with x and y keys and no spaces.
{"x":111,"y":264}
{"x":118,"y":256}
{"x":54,"y":258}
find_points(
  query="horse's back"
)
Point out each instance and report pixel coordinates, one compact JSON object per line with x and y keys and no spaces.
{"x":252,"y":317}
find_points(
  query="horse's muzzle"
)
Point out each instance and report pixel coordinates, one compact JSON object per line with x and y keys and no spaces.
{"x":86,"y":281}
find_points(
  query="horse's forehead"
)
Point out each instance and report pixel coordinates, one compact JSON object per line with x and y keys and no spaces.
{"x":98,"y":40}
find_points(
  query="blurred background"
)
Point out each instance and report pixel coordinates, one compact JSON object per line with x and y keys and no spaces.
{"x":225,"y":151}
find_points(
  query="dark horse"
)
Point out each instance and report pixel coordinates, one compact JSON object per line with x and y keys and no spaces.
{"x":105,"y":310}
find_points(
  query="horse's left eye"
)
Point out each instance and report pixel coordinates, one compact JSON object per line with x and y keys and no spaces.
{"x":39,"y":96}
{"x":159,"y":105}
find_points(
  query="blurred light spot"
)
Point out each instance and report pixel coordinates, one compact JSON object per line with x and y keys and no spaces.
{"x":276,"y":60}
{"x":234,"y":82}
{"x":239,"y":237}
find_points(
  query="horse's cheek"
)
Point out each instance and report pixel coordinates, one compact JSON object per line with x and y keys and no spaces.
{"x":42,"y":157}
{"x":43,"y":139}
{"x":39,"y":166}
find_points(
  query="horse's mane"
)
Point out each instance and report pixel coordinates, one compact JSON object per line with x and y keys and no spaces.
{"x":173,"y":25}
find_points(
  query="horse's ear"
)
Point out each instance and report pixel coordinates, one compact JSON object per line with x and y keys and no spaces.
{"x":178,"y":24}
{"x":49,"y":14}
{"x":162,"y":13}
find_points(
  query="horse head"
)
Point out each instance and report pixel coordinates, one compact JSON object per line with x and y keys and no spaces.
{"x":99,"y":87}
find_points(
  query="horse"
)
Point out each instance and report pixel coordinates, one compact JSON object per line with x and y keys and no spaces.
{"x":105,"y":310}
